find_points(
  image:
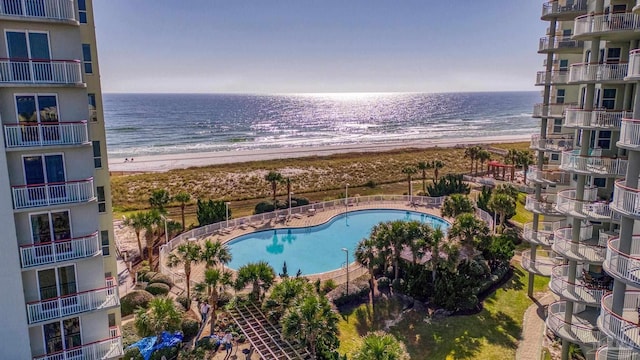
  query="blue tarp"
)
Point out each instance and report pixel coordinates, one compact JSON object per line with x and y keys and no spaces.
{"x":148,"y":345}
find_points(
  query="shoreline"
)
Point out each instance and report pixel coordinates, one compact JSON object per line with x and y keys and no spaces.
{"x":162,"y":163}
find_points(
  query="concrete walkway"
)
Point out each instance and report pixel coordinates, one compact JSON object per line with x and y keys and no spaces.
{"x":530,"y":346}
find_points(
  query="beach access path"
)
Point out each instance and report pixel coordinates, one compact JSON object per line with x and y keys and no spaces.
{"x":159,"y":163}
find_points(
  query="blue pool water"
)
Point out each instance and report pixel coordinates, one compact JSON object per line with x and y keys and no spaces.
{"x":318,"y":248}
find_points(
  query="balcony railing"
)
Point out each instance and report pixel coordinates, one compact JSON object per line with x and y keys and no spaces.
{"x":43,"y":310}
{"x":541,"y":266}
{"x":32,"y":71}
{"x":630,"y":134}
{"x":544,"y":206}
{"x":604,"y":23}
{"x":60,"y":250}
{"x":594,"y":165}
{"x":597,"y":72}
{"x":594,"y":119}
{"x":109,"y":348}
{"x":622,"y":265}
{"x":581,"y":251}
{"x":590,"y":209}
{"x":626,"y":200}
{"x":634,"y":65}
{"x":562,"y":143}
{"x":573,"y":331}
{"x":46,"y":134}
{"x":555,"y":77}
{"x":28,"y":196}
{"x":622,"y":327}
{"x":625,"y":353}
{"x":559,"y":43}
{"x":544,"y":235}
{"x":555,"y":9}
{"x":551,"y":110}
{"x":573,"y":291}
{"x":550,"y":176}
{"x":41,"y":9}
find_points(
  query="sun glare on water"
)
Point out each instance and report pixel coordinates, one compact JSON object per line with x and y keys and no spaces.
{"x":346,"y":96}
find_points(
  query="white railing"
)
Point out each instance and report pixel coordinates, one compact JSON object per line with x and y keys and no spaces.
{"x":555,"y":77}
{"x":204,"y":231}
{"x":41,"y":9}
{"x":566,"y":233}
{"x":109,"y":348}
{"x":574,"y":332}
{"x":60,"y":250}
{"x":544,"y":235}
{"x":578,"y":251}
{"x":630,"y":133}
{"x":619,"y":353}
{"x":46,"y":134}
{"x":624,"y":329}
{"x":544,"y":206}
{"x":551,"y":110}
{"x":634,"y":65}
{"x":559,"y":42}
{"x":555,"y":8}
{"x":568,"y":204}
{"x":597,"y":72}
{"x":49,"y":309}
{"x":622,"y":265}
{"x":626,"y":200}
{"x":562,"y":143}
{"x":548,"y":175}
{"x":484,"y":216}
{"x":581,"y":292}
{"x":541,"y":266}
{"x":26,"y":196}
{"x":40,"y":71}
{"x":599,"y":23}
{"x":573,"y":161}
{"x":594,"y":119}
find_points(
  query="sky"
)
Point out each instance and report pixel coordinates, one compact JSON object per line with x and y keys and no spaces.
{"x":302,"y":46}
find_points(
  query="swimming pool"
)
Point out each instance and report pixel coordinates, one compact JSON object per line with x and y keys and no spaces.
{"x":318,"y":248}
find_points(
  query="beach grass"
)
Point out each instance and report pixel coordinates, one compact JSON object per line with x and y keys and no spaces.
{"x":493,"y":333}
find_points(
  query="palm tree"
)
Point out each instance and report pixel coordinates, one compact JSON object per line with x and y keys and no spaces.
{"x":472,"y":153}
{"x":455,"y":205}
{"x":409,"y":171}
{"x":159,"y":199}
{"x":151,"y":225}
{"x":214,"y":279}
{"x":436,"y":165}
{"x":380,"y":346}
{"x":502,"y":204}
{"x":183,"y":198}
{"x":483,"y":156}
{"x":312,"y":321}
{"x":469,"y":230}
{"x":137,"y":223}
{"x":282,"y":295}
{"x":525,"y":158}
{"x":258,"y":274}
{"x":186,"y":254}
{"x":437,"y":244}
{"x":365,"y":255}
{"x":274,"y":178}
{"x":424,"y":166}
{"x":512,"y":158}
{"x":161,"y":315}
{"x":214,"y":253}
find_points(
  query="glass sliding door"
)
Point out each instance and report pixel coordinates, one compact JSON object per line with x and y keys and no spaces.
{"x":47,"y":169}
{"x":30,"y":56}
{"x":33,"y":110}
{"x":62,"y":335}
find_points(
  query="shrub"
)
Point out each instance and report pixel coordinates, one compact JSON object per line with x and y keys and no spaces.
{"x":158,"y":289}
{"x":184,"y":301}
{"x":384,"y":283}
{"x":133,"y":354}
{"x":371,"y":184}
{"x":147,"y":275}
{"x":224,"y":298}
{"x":190,"y":328}
{"x":263,"y":207}
{"x":162,"y":279}
{"x":328,"y":286}
{"x":299,"y":201}
{"x":168,"y":353}
{"x":358,"y":290}
{"x":208,"y":344}
{"x":397,"y":283}
{"x":209,"y":212}
{"x":447,"y":185}
{"x":134,"y":300}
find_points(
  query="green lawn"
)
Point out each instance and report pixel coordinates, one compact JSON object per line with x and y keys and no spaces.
{"x":522,"y":215}
{"x":491,"y":334}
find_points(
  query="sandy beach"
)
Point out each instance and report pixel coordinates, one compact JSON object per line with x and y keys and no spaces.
{"x":159,"y":163}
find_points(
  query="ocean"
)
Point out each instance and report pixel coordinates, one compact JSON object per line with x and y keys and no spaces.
{"x":158,"y":124}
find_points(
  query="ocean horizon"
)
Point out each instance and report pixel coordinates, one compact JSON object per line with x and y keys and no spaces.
{"x":160,"y":124}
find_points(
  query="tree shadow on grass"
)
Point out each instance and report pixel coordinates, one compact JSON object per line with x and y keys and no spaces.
{"x":515,"y":283}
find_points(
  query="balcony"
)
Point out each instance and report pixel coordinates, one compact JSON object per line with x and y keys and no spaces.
{"x":552,"y":143}
{"x":558,"y":77}
{"x":629,"y":134}
{"x":586,"y":250}
{"x":626,"y":200}
{"x":16,"y":72}
{"x":110,"y":348}
{"x":579,"y":291}
{"x":610,"y":27}
{"x":573,"y":162}
{"x":606,"y":353}
{"x":634,"y":66}
{"x":48,"y":10}
{"x":548,"y":175}
{"x":594,"y":119}
{"x":544,"y":234}
{"x":542,"y":265}
{"x":553,"y":9}
{"x":621,"y":265}
{"x":559,"y":44}
{"x":60,"y":250}
{"x":588,"y":209}
{"x":551,"y":110}
{"x":597,"y":73}
{"x":70,"y":192}
{"x":544,"y":206}
{"x":581,"y":329}
{"x":622,"y":327}
{"x":46,"y":134}
{"x":44,"y":310}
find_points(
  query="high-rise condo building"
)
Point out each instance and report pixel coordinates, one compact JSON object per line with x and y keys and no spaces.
{"x":57,"y":256}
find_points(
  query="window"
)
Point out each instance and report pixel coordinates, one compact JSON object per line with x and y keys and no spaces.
{"x":104,"y":237}
{"x":609,"y":98}
{"x":604,"y":139}
{"x":62,"y":335}
{"x":600,"y":182}
{"x":82,"y":11}
{"x":86,"y":58}
{"x":33,"y":109}
{"x":102,"y":206}
{"x":613,"y":55}
{"x":560,"y":96}
{"x":555,"y":157}
{"x":557,"y":126}
{"x":93,"y":112}
{"x":112,"y":319}
{"x":97,"y":157}
{"x":28,"y":45}
{"x":564,"y":65}
{"x":50,"y":226}
{"x":566,"y":32}
{"x":56,"y":282}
